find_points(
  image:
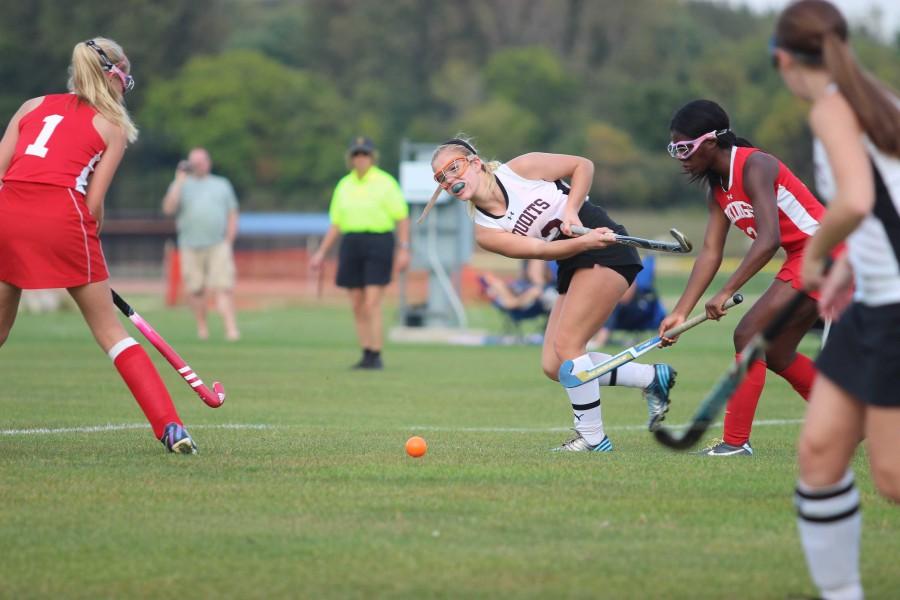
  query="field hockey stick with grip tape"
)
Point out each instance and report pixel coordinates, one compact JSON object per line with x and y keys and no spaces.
{"x":214,"y":398}
{"x":720,"y":394}
{"x":571,"y":379}
{"x":681,"y":245}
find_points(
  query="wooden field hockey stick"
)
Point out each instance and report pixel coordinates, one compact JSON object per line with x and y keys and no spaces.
{"x":718,"y":397}
{"x":571,"y":379}
{"x":681,"y":245}
{"x":214,"y":398}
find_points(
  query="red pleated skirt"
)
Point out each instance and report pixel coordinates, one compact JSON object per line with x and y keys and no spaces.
{"x":48,"y":238}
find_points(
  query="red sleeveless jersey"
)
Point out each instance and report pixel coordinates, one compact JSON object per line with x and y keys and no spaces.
{"x":57,"y":144}
{"x":799,"y":213}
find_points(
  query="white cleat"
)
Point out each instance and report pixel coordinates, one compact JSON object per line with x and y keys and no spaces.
{"x":579,"y":444}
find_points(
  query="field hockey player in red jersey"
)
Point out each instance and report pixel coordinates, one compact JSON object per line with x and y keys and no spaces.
{"x":524,"y":209}
{"x":57,"y":159}
{"x":759,"y":195}
{"x":855,"y":122}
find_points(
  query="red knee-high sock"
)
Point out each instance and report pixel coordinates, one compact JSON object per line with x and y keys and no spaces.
{"x":145,"y":384}
{"x":800,"y":374}
{"x":742,"y":405}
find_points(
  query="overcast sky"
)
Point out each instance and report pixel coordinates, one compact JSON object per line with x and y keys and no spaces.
{"x":854,"y":10}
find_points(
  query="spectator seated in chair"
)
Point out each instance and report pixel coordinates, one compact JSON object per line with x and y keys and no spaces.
{"x":639,"y":310}
{"x":529,"y":297}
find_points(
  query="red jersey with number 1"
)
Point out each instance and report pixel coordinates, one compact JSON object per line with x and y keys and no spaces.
{"x":48,"y":236}
{"x":57,"y":145}
{"x":799,"y":212}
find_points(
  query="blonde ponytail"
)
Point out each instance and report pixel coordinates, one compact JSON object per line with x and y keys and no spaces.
{"x":871,"y":102}
{"x":92,"y":84}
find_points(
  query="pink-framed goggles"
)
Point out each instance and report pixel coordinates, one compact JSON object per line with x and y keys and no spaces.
{"x":110,"y":67}
{"x":683,"y":150}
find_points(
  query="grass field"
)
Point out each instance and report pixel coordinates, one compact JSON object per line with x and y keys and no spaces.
{"x":302,"y":488}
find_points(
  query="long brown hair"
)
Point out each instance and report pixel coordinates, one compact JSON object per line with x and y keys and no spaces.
{"x":816,"y":32}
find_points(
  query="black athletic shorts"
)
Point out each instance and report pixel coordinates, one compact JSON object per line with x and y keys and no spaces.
{"x":622,"y":259}
{"x":365,"y":259}
{"x":862,"y":354}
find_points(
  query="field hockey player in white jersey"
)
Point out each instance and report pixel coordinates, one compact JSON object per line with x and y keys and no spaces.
{"x":856,"y":124}
{"x":523,"y":209}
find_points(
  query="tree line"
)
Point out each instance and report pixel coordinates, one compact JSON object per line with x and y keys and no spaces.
{"x":276,"y":88}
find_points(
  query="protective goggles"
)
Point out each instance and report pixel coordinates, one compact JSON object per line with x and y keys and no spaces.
{"x":811,"y":59}
{"x":110,"y":67}
{"x":683,"y":150}
{"x":456,"y":168}
{"x":773,"y":56}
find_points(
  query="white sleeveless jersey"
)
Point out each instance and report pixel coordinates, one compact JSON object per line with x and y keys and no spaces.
{"x":874,"y":247}
{"x":534,"y":207}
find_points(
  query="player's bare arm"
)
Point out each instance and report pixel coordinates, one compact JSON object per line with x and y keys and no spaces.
{"x":833,"y":122}
{"x":11,"y":136}
{"x":760,"y":172}
{"x":709,"y":259}
{"x":116,"y":141}
{"x":550,"y":167}
{"x":517,"y":246}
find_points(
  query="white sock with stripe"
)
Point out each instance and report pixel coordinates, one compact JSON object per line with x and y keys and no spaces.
{"x":585,"y":401}
{"x":120,"y":347}
{"x":830,"y":525}
{"x":631,"y":374}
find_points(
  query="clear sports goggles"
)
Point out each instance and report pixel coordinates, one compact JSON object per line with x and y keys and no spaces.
{"x":683,"y":150}
{"x":456,"y":168}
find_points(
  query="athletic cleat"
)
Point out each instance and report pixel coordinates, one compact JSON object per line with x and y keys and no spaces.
{"x":657,"y":395}
{"x":579,"y":444}
{"x":369,"y":361}
{"x":176,"y":439}
{"x":720,"y":448}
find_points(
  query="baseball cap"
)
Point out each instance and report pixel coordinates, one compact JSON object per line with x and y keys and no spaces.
{"x":361,"y":144}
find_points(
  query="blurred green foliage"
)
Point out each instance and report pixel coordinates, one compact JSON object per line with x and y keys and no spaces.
{"x":276,"y":88}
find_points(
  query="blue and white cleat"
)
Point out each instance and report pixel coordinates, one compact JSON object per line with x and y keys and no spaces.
{"x":657,"y":395}
{"x":579,"y":444}
{"x":176,"y":439}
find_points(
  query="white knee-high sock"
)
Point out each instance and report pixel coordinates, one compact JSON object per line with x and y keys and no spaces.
{"x":585,"y":401}
{"x":628,"y":375}
{"x":830,"y":525}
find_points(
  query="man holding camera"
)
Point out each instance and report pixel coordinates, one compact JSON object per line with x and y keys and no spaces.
{"x":206,"y":217}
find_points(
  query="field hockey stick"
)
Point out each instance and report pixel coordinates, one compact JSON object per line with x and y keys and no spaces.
{"x":681,"y":245}
{"x":720,"y":394}
{"x":825,"y":331}
{"x":569,"y":379}
{"x":214,"y":397}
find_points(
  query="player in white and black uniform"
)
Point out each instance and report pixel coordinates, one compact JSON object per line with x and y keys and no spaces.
{"x":522,"y":209}
{"x":856,"y":124}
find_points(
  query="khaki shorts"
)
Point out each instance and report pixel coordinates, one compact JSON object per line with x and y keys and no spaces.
{"x":211,"y":267}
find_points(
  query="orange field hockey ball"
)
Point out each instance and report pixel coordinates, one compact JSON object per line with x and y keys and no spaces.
{"x":416,"y":446}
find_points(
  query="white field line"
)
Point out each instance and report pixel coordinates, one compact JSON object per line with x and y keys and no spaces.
{"x":762,"y":423}
{"x":122,"y":427}
{"x":258,"y":426}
